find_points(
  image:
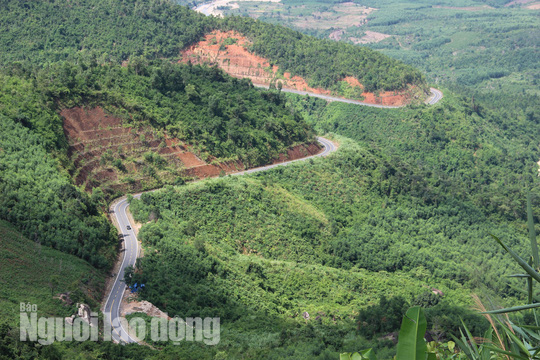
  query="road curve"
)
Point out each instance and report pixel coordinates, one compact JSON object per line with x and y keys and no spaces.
{"x":131,"y":248}
{"x":435,"y":97}
{"x":205,"y":9}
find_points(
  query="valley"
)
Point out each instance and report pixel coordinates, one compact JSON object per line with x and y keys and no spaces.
{"x":309,"y":175}
{"x":131,"y":244}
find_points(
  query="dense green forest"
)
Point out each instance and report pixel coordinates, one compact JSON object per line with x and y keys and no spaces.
{"x":404,"y":209}
{"x":47,"y":32}
{"x":43,"y":203}
{"x":51,"y":31}
{"x":261,"y":250}
{"x":459,"y":149}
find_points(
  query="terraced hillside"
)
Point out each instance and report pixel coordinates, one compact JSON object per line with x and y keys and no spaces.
{"x":109,"y":153}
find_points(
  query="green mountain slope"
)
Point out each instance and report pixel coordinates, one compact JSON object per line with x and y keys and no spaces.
{"x":43,"y":203}
{"x":46,"y":32}
{"x":317,"y":237}
{"x":36,"y":274}
{"x":461,"y":148}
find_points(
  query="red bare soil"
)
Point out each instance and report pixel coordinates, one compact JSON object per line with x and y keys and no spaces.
{"x":92,"y":132}
{"x":298,"y":152}
{"x":210,"y":170}
{"x":239,"y":62}
{"x":190,"y":159}
{"x":236,"y":61}
{"x":388,"y":98}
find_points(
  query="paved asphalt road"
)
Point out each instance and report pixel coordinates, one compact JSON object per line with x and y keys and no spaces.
{"x":436,"y":95}
{"x":435,"y":98}
{"x":131,"y":252}
{"x":131,"y":249}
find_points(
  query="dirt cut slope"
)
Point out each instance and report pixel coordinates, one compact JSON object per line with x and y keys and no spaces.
{"x":228,"y":50}
{"x":119,"y":158}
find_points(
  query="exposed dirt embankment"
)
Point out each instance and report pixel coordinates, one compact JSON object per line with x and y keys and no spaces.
{"x":229,"y":51}
{"x":237,"y":61}
{"x":105,"y":152}
{"x":212,"y":170}
{"x":387,"y":98}
{"x":131,"y":305}
{"x":109,"y":154}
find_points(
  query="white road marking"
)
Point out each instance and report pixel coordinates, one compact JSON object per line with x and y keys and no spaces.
{"x":131,"y":244}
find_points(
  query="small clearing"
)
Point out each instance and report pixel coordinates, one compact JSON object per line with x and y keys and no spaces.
{"x":217,"y":7}
{"x":370,"y":37}
{"x":345,"y":14}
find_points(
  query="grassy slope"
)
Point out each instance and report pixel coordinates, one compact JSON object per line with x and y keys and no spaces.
{"x":27,"y":270}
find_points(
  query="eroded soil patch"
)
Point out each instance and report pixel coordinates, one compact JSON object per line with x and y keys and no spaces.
{"x":228,"y":50}
{"x":109,"y":154}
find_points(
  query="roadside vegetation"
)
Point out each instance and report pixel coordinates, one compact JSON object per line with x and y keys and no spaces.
{"x":241,"y":241}
{"x":49,"y":32}
{"x":303,"y":261}
{"x":461,"y":149}
{"x":415,"y":191}
{"x":254,"y":250}
{"x":37,"y":274}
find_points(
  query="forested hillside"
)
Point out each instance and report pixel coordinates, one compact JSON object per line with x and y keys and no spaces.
{"x":324,"y":62}
{"x":462,"y":148}
{"x":485,"y":46}
{"x":302,"y":261}
{"x":43,"y":203}
{"x":268,"y":248}
{"x":46,"y":32}
{"x":409,"y":196}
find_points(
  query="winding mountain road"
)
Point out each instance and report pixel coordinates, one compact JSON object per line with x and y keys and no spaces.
{"x":131,"y":252}
{"x":131,"y":248}
{"x":435,"y":97}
